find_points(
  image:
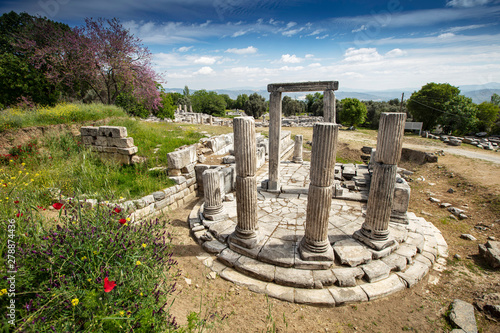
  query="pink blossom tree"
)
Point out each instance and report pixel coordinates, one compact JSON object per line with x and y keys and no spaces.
{"x":101,"y":56}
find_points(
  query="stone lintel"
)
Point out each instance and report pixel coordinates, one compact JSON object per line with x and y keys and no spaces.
{"x":303,"y":86}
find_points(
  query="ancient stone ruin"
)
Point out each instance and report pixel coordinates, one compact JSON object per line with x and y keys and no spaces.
{"x":313,"y":243}
{"x":111,"y":142}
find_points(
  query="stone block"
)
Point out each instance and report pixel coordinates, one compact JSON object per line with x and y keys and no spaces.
{"x":229,"y":159}
{"x":113,"y":131}
{"x":179,"y":180}
{"x":279,"y":292}
{"x":278,"y":252}
{"x":181,"y":158}
{"x":228,"y":257}
{"x":88,"y":140}
{"x":214,"y":247}
{"x":462,"y":316}
{"x":121,"y":142}
{"x":101,"y":141}
{"x":239,"y":279}
{"x":344,"y":296}
{"x":346,"y":276}
{"x":254,"y":268}
{"x":128,"y":151}
{"x":314,"y":297}
{"x":174,"y":172}
{"x":375,"y":271}
{"x":188,"y":168}
{"x":491,"y":253}
{"x":110,"y":150}
{"x":351,"y":252}
{"x":414,"y":273}
{"x":383,"y":288}
{"x":292,"y":277}
{"x":401,"y":198}
{"x":323,"y":278}
{"x":89,"y":131}
{"x":159,"y":195}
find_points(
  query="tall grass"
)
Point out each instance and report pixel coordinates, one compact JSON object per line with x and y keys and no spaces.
{"x":60,"y":114}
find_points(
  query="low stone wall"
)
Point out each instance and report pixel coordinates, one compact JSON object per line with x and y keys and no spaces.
{"x":201,"y":118}
{"x":491,"y":143}
{"x":111,"y":142}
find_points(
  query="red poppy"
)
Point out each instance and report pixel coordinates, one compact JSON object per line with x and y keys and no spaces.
{"x":19,"y":214}
{"x":117,"y":210}
{"x":58,"y":205}
{"x":122,"y":221}
{"x":16,"y":202}
{"x":108,"y":285}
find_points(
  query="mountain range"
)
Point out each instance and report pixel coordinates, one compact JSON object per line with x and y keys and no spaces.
{"x":478,"y":93}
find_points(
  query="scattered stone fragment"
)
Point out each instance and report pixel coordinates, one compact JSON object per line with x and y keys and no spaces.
{"x":491,"y":253}
{"x":212,"y":276}
{"x":462,"y":216}
{"x":188,"y":281}
{"x":491,"y":238}
{"x":351,"y":252}
{"x":462,"y":316}
{"x":450,"y":190}
{"x":431,"y":199}
{"x":468,"y":237}
{"x":489,"y":304}
{"x":455,"y":211}
{"x":206,"y":237}
{"x":198,"y":228}
{"x":444,"y":205}
{"x":453,"y":217}
{"x":229,"y":197}
{"x":457,"y":256}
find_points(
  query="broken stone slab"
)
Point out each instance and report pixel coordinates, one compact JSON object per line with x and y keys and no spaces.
{"x":239,"y":279}
{"x":229,"y":159}
{"x":159,"y":195}
{"x":178,"y":179}
{"x":462,"y":316}
{"x":455,"y":211}
{"x":256,"y":269}
{"x":383,"y":287}
{"x":468,"y":237}
{"x":491,"y":253}
{"x":278,"y":252}
{"x":408,"y":251}
{"x":395,"y":262}
{"x":343,"y":296}
{"x":292,"y":277}
{"x":346,"y":276}
{"x":351,"y":252}
{"x":444,"y":205}
{"x":280,"y":292}
{"x":317,"y":297}
{"x":222,"y":229}
{"x":431,"y":199}
{"x":414,"y":273}
{"x":323,"y":278}
{"x":214,"y":247}
{"x":113,"y":131}
{"x":375,"y":271}
{"x":181,"y":158}
{"x":228,"y":257}
{"x":89,"y":131}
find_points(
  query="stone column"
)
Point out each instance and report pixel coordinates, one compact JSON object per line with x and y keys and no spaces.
{"x":245,"y":150}
{"x":211,"y":120}
{"x":297,"y":149}
{"x":185,"y":108}
{"x":213,"y":209}
{"x":375,"y":229}
{"x":274,"y":141}
{"x":329,"y":106}
{"x":315,"y":244}
{"x":190,"y":108}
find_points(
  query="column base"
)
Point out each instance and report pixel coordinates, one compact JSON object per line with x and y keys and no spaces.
{"x":374,"y":244}
{"x":297,"y":160}
{"x":248,"y":241}
{"x":310,"y":252}
{"x":273,"y":186}
{"x":397,"y":217}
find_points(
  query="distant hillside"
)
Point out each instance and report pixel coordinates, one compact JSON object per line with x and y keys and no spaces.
{"x":478,"y":93}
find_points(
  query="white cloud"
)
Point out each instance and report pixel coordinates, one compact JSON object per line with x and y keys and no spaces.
{"x":446,"y":35}
{"x":467,"y":3}
{"x":307,"y":56}
{"x":248,"y":50}
{"x":316,"y":32}
{"x":466,"y":27}
{"x":204,"y":71}
{"x":184,"y":48}
{"x":204,"y":60}
{"x":291,"y":24}
{"x":361,"y":28}
{"x":239,"y":33}
{"x":314,"y":65}
{"x":395,"y":53}
{"x":290,"y":59}
{"x":291,"y":69}
{"x":290,"y":33}
{"x":362,"y":55}
{"x":321,"y":37}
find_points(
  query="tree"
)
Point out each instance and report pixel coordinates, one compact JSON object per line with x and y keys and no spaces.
{"x":255,"y":105}
{"x":487,"y":114}
{"x":229,"y":101}
{"x":352,"y":112}
{"x":240,"y":101}
{"x":291,"y":106}
{"x":315,"y":104}
{"x":101,"y":56}
{"x":427,"y":104}
{"x":460,"y":116}
{"x":19,"y":79}
{"x":208,"y":102}
{"x":495,"y":99}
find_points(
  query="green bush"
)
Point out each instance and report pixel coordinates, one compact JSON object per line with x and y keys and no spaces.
{"x":130,"y":104}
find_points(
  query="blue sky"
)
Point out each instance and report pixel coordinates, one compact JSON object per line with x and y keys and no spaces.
{"x":365,"y":45}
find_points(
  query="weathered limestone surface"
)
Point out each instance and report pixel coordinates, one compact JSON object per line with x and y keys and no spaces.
{"x":462,"y":316}
{"x":390,"y":138}
{"x":297,"y":149}
{"x":329,"y":106}
{"x":212,"y":193}
{"x":274,"y":140}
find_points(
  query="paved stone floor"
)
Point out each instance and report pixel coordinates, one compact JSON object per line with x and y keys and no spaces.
{"x":274,"y":267}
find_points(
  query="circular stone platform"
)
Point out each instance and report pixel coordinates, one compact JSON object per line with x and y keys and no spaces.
{"x":274,"y":267}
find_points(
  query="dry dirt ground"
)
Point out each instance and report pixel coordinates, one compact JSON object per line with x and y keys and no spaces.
{"x":420,"y":309}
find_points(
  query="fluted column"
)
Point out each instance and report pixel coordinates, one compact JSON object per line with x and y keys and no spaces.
{"x":211,"y":120}
{"x":274,"y":141}
{"x":329,"y":106}
{"x":375,"y":229}
{"x":297,"y":149}
{"x":213,"y":208}
{"x":245,"y":151}
{"x":315,"y":244}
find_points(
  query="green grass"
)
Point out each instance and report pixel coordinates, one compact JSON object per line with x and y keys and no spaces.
{"x":60,"y":114}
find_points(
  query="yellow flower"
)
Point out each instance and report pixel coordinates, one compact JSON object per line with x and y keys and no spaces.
{"x":75,"y":301}
{"x":3,"y":292}
{"x":89,"y":280}
{"x":142,"y":294}
{"x":36,"y":175}
{"x":121,"y":198}
{"x":32,"y":180}
{"x":84,"y":257}
{"x":122,"y":313}
{"x":12,"y":177}
{"x":11,"y":161}
{"x":23,"y":164}
{"x":128,"y":219}
{"x":6,"y":198}
{"x":95,"y":252}
{"x":144,"y":245}
{"x":137,"y":262}
{"x":27,"y":173}
{"x":20,"y":171}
